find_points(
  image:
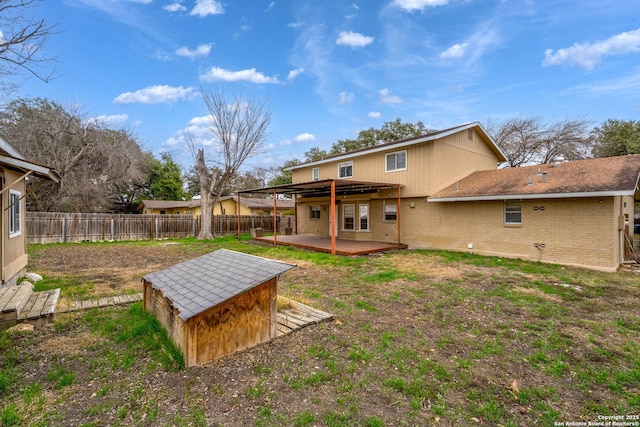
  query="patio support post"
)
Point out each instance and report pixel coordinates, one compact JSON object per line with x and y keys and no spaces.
{"x":275,"y":218}
{"x":295,"y":211}
{"x":333,"y":218}
{"x":238,"y":213}
{"x":398,"y":222}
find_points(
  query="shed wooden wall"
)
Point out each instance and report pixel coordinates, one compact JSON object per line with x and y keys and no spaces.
{"x":156,"y":304}
{"x":241,"y":322}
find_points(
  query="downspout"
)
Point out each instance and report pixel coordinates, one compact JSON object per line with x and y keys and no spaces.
{"x":275,"y":218}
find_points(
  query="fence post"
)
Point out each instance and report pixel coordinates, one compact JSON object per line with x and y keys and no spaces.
{"x":113,"y":229}
{"x":64,"y":229}
{"x":157,"y":232}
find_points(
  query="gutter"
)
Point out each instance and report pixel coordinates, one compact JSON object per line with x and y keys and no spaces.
{"x":532,"y":196}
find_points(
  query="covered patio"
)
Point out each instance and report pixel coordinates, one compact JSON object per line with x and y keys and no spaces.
{"x":329,"y":188}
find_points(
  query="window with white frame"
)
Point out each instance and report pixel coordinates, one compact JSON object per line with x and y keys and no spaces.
{"x":15,"y":218}
{"x":364,"y":217}
{"x":390,"y":212}
{"x":315,"y":174}
{"x":513,"y":211}
{"x":396,"y":161}
{"x":315,"y":212}
{"x":349,"y":217}
{"x":345,"y":170}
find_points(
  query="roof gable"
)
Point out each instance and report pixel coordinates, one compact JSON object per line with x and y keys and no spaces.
{"x":432,"y":136}
{"x":607,"y":176}
{"x":201,"y":283}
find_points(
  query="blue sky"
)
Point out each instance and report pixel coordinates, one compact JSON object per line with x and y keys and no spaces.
{"x":330,"y":68}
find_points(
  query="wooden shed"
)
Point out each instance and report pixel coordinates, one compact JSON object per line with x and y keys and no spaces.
{"x":216,"y":304}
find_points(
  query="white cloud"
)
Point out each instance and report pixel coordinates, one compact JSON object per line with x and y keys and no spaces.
{"x":156,"y":95}
{"x":108,"y":120}
{"x":295,"y":24}
{"x":345,"y":97}
{"x":411,"y":5}
{"x":202,"y":50}
{"x":587,"y":55}
{"x":305,"y":137}
{"x":374,"y":115}
{"x":207,"y":7}
{"x":387,"y":98}
{"x":270,"y":7}
{"x":216,"y":74}
{"x":349,"y":38}
{"x":198,"y":130}
{"x":455,"y":51}
{"x":295,"y":73}
{"x":174,"y":7}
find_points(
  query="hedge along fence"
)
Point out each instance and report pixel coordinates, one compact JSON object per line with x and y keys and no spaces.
{"x":53,"y":227}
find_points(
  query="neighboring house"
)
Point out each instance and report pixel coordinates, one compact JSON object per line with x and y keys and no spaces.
{"x":577,"y":217}
{"x":14,"y":170}
{"x":228,"y":205}
{"x":170,"y":207}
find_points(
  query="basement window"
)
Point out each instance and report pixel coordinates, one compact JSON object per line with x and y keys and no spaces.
{"x":512,"y":211}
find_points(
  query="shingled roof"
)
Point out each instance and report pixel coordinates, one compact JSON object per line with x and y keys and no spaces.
{"x":201,"y":283}
{"x":610,"y":176}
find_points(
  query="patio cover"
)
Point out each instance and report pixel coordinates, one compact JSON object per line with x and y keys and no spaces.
{"x":324,"y":188}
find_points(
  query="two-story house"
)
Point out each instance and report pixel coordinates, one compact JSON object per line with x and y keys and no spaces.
{"x":443,"y":190}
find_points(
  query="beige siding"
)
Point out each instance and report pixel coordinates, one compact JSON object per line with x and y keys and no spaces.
{"x":578,"y":231}
{"x":430,"y":166}
{"x":15,"y":259}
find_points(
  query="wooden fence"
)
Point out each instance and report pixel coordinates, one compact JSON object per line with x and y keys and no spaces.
{"x":51,"y":227}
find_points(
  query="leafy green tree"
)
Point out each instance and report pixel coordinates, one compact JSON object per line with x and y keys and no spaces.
{"x":390,"y":131}
{"x":165,"y":180}
{"x":616,"y":138}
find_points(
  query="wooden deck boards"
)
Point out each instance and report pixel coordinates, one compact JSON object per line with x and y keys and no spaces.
{"x":299,"y":316}
{"x":323,"y":244}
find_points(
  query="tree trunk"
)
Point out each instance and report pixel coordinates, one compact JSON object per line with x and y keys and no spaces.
{"x":206,"y":202}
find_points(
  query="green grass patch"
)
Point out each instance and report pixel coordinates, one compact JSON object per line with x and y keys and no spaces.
{"x":138,"y":331}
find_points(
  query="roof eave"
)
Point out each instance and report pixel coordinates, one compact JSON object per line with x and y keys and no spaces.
{"x":532,"y":196}
{"x":38,"y":170}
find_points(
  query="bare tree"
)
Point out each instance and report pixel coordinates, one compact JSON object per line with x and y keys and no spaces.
{"x":240,"y":127}
{"x":97,"y":164}
{"x":22,"y":41}
{"x":529,"y":140}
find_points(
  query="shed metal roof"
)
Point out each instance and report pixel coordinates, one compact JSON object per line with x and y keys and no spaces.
{"x":201,"y":283}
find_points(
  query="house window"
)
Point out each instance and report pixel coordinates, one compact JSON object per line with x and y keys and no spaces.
{"x":470,"y":134}
{"x":15,"y":223}
{"x":315,"y":174}
{"x":349,"y":217}
{"x":396,"y":161}
{"x":345,"y":170}
{"x":163,"y":212}
{"x":512,"y":211}
{"x":390,"y":212}
{"x":315,"y":212}
{"x":364,"y":217}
